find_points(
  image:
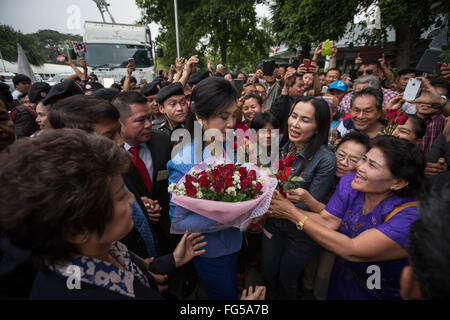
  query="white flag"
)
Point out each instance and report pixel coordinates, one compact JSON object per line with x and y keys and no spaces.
{"x":23,"y":66}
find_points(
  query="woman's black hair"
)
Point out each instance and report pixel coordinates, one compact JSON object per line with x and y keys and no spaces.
{"x":262,"y":119}
{"x":322,"y":117}
{"x":81,"y":112}
{"x":358,"y":137}
{"x":212,"y":96}
{"x":405,"y":161}
{"x":420,"y":127}
{"x":254,"y":96}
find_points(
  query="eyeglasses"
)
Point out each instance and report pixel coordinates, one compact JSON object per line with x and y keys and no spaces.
{"x":367,"y":71}
{"x":351,"y":161}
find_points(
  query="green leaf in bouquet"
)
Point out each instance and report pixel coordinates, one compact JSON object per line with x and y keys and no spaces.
{"x":297,"y":179}
{"x":240,"y":197}
{"x":228,"y":198}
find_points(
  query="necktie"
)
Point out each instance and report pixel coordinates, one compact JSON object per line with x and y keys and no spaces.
{"x":141,"y":168}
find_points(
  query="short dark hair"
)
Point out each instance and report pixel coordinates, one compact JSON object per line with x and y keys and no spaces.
{"x":429,"y":241}
{"x":260,"y":85}
{"x":335,"y":69}
{"x":369,"y":62}
{"x":369,"y":91}
{"x":323,"y":73}
{"x":406,"y":71}
{"x":20,"y":78}
{"x":124,"y":99}
{"x":81,"y":112}
{"x":358,"y":137}
{"x":5,"y":94}
{"x":116,"y":86}
{"x":420,"y":127}
{"x":60,"y":181}
{"x":132,"y":80}
{"x":262,"y":119}
{"x":106,"y":93}
{"x":254,"y":96}
{"x":405,"y":161}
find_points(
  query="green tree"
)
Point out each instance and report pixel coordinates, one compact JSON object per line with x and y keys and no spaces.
{"x":302,"y":23}
{"x":227,"y":31}
{"x":40,"y":47}
{"x":29,"y":43}
{"x":55,"y":43}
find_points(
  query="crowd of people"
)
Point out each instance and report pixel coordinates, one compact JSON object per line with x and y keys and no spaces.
{"x":86,"y":169}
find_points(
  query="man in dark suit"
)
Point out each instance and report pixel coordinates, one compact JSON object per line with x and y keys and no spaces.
{"x":151,"y":152}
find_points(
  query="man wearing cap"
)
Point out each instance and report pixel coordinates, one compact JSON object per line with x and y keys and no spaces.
{"x":338,"y":89}
{"x":198,"y":76}
{"x":365,"y":68}
{"x":172,"y":102}
{"x":38,"y":91}
{"x":150,"y":90}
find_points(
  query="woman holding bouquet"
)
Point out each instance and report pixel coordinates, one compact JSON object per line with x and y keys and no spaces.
{"x":285,"y":251}
{"x":214,"y":106}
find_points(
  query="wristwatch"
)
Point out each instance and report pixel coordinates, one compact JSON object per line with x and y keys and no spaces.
{"x":301,"y":223}
{"x":443,"y":103}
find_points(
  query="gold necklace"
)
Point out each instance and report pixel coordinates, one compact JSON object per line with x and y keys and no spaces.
{"x":294,"y":150}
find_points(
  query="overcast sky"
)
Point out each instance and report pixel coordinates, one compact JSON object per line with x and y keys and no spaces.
{"x":29,"y":16}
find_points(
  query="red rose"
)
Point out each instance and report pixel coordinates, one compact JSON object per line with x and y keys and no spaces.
{"x":215,"y":173}
{"x":391,"y":114}
{"x":204,"y":181}
{"x":218,"y":186}
{"x":402,"y":119}
{"x":243,"y":171}
{"x":280,"y":165}
{"x":190,"y":189}
{"x":228,"y":183}
{"x":245,"y":184}
{"x":190,"y":178}
{"x":258,"y":188}
{"x":231,"y":167}
{"x":289,"y":161}
{"x":251,"y":175}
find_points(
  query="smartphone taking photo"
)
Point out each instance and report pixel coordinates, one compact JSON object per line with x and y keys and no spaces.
{"x":412,"y":90}
{"x":132,"y":63}
{"x":268,"y":67}
{"x":307,"y":64}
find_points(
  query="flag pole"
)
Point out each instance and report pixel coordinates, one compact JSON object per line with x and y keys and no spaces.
{"x":176,"y":28}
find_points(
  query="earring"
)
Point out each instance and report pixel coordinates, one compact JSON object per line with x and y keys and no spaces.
{"x":85,"y":240}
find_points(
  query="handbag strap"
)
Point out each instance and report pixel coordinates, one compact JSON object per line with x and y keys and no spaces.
{"x":400,"y":208}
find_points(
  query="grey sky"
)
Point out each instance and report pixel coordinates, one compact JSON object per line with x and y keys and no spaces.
{"x":29,"y":16}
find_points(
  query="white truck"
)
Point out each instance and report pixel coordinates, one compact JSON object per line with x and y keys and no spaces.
{"x":110,"y":45}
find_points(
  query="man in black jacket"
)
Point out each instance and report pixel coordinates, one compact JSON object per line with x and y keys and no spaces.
{"x":151,"y":152}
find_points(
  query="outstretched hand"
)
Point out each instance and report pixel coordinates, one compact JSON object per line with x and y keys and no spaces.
{"x":258,"y":294}
{"x":188,"y":248}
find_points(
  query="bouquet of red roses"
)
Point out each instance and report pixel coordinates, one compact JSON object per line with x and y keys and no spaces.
{"x":284,"y":170}
{"x":230,"y":194}
{"x":394,"y":117}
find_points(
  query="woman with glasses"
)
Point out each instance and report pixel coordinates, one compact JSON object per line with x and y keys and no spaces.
{"x":366,"y":223}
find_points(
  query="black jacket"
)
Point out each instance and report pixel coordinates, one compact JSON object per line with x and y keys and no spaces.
{"x":160,"y":149}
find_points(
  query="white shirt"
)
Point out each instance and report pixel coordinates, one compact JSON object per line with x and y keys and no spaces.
{"x":146,"y":156}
